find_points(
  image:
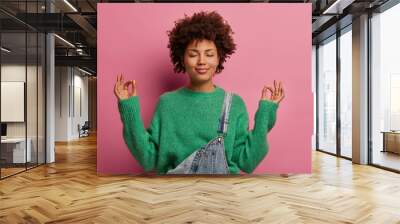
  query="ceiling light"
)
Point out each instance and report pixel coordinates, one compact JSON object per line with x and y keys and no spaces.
{"x":337,"y":7}
{"x":86,"y":72}
{"x":64,"y":40}
{"x":70,"y":5}
{"x":5,"y":49}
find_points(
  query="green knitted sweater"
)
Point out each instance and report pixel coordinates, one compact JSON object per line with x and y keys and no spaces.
{"x":185,"y":120}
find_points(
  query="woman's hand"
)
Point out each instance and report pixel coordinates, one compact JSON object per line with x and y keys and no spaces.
{"x":277,"y":94}
{"x":121,"y":89}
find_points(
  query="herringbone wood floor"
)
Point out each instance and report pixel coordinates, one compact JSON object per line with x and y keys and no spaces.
{"x":70,"y":191}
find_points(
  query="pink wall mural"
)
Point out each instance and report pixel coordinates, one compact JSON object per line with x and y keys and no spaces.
{"x":273,"y":43}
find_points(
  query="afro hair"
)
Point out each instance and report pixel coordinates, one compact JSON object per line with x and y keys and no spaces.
{"x":201,"y":25}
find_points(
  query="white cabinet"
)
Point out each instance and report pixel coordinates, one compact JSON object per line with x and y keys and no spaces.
{"x":17,"y":146}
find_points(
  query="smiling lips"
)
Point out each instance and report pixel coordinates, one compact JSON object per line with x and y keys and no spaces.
{"x":201,"y":71}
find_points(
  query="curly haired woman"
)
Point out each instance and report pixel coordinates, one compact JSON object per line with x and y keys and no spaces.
{"x":199,"y":128}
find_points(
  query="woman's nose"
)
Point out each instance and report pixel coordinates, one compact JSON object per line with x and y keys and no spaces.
{"x":201,"y":60}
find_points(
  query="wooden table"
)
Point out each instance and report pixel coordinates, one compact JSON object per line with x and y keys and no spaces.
{"x":391,"y":141}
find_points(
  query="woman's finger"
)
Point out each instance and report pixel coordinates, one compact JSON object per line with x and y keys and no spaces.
{"x":271,"y":90}
{"x":121,"y":79}
{"x":133,"y":82}
{"x":115,"y":88}
{"x":265,"y":92}
{"x":276,"y":89}
{"x":279,"y":87}
{"x":126,"y":85}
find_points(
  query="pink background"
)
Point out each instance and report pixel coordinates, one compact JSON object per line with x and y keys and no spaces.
{"x":273,"y":42}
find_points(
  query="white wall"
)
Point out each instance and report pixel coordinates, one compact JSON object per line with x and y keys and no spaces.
{"x":71,"y":93}
{"x":61,"y":103}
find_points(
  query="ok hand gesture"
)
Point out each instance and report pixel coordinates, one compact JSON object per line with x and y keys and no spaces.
{"x":121,"y":89}
{"x":277,"y":93}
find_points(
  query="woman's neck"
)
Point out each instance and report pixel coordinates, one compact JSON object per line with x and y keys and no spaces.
{"x":203,"y":87}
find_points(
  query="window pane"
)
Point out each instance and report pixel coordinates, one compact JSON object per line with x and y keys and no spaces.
{"x":346,"y":93}
{"x":386,"y":88}
{"x":327,"y":96}
{"x":13,"y":85}
{"x":31,"y":100}
{"x":41,"y":98}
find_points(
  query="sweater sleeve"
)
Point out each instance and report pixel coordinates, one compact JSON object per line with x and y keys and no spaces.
{"x":142,"y":143}
{"x":250,"y":147}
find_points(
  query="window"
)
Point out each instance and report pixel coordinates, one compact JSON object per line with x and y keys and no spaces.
{"x":385,"y":88}
{"x":346,"y":75}
{"x":327,"y":95}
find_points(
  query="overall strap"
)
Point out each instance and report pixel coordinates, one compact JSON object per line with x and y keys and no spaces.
{"x":223,"y":120}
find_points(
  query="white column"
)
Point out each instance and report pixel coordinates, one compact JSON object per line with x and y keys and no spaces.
{"x":360,"y":90}
{"x":50,"y":82}
{"x":50,"y":110}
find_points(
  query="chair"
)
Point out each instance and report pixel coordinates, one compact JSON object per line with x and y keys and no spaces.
{"x":84,"y":130}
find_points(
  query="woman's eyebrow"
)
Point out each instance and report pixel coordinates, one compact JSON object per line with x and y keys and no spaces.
{"x":198,"y":50}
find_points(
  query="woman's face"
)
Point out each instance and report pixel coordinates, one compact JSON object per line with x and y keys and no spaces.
{"x":201,"y":60}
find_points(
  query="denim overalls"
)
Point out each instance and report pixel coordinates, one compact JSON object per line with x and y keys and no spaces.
{"x":209,"y":159}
